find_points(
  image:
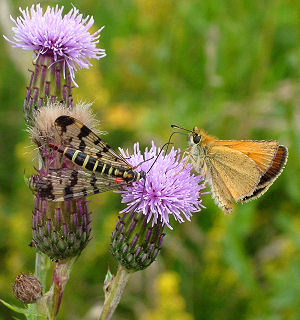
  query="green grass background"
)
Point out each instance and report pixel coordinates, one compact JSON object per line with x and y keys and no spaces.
{"x":231,"y":67}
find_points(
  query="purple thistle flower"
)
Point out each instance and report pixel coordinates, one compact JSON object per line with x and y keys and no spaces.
{"x":65,"y":38}
{"x":169,"y":188}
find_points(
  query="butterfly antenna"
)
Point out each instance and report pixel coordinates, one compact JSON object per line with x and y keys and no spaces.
{"x":177,"y":127}
{"x":172,"y":134}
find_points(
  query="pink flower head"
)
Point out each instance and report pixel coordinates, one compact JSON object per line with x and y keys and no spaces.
{"x":63,"y":37}
{"x":169,"y":188}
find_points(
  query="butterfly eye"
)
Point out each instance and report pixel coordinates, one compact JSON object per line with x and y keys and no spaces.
{"x":196,"y":138}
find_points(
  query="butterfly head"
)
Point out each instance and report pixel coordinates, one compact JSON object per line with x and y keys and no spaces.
{"x":195,"y":136}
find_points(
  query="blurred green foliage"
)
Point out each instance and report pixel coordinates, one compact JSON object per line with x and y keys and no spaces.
{"x":231,"y":67}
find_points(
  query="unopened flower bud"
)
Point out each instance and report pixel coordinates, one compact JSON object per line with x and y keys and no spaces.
{"x":60,"y":230}
{"x":135,"y":243}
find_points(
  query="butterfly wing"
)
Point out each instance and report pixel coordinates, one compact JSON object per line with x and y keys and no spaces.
{"x":276,"y":167}
{"x":262,"y":152}
{"x":270,"y":175}
{"x":267,"y":154}
{"x":77,"y":135}
{"x":231,"y":174}
{"x":68,"y":184}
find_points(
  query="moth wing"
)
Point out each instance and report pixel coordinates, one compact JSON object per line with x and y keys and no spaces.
{"x":77,"y":135}
{"x":68,"y":184}
{"x":232,"y":175}
{"x":262,"y":152}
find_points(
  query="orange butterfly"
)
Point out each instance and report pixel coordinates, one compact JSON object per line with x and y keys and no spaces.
{"x":236,"y":170}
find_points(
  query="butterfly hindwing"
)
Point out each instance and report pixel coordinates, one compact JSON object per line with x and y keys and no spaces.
{"x":238,"y":172}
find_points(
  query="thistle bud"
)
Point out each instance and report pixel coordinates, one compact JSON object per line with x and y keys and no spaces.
{"x":60,"y":230}
{"x":47,"y":83}
{"x":27,"y":288}
{"x":135,"y":243}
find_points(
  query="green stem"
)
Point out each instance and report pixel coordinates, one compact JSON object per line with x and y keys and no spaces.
{"x":48,"y":305}
{"x":42,"y":265}
{"x":113,"y":293}
{"x":61,"y":274}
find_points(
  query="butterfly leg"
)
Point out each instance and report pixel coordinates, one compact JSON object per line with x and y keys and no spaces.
{"x":186,"y":152}
{"x":189,"y":156}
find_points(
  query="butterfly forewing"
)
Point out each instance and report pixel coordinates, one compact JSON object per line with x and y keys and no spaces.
{"x":79,"y":136}
{"x":276,"y":166}
{"x":270,"y":175}
{"x":262,"y":152}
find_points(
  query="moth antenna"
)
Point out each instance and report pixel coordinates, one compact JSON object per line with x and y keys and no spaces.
{"x":161,"y":150}
{"x":135,"y":167}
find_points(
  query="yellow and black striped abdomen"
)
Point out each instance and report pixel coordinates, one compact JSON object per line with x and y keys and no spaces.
{"x":91,"y":163}
{"x":86,"y":161}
